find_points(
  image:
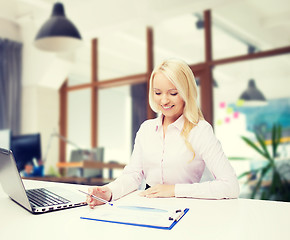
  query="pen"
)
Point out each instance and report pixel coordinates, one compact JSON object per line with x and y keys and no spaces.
{"x":97,"y":198}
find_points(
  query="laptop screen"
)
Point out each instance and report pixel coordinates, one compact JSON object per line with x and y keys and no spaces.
{"x":10,"y":179}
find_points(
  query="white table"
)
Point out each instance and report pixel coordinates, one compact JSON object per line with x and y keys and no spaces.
{"x":207,"y":219}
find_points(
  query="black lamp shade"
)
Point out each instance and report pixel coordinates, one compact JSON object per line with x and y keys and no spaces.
{"x":252,"y":95}
{"x":58,"y":33}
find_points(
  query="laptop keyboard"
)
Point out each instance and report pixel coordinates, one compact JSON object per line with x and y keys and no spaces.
{"x":42,"y":197}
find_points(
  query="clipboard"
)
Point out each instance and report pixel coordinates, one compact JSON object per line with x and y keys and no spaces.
{"x":162,"y":219}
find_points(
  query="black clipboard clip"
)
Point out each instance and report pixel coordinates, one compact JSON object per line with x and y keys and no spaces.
{"x":177,"y":215}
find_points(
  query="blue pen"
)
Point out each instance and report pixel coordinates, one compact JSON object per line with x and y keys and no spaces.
{"x":97,"y":198}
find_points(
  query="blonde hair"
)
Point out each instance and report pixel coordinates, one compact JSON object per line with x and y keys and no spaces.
{"x":181,"y":76}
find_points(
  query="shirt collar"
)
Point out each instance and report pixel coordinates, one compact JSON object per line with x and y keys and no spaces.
{"x":158,"y":123}
{"x":178,"y":123}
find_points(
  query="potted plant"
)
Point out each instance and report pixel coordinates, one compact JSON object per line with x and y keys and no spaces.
{"x":278,"y":187}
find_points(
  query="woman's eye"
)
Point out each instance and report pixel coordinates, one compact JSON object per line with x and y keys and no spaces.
{"x":173,"y":94}
{"x":157,"y":93}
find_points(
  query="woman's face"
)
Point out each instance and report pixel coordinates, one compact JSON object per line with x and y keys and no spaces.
{"x":167,"y":98}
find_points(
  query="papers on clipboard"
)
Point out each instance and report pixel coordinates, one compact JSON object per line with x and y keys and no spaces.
{"x":141,"y":216}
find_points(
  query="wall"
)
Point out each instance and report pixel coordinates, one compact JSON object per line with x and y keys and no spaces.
{"x":9,"y":30}
{"x":40,"y":102}
{"x":40,"y":114}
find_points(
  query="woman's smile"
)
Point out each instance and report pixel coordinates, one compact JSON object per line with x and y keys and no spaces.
{"x":167,"y":107}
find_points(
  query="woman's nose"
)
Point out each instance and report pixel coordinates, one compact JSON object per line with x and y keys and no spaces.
{"x":164,"y":99}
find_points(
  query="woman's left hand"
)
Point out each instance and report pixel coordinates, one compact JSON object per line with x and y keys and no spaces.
{"x":159,"y":190}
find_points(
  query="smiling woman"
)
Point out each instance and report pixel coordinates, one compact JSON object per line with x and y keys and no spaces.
{"x":175,"y":35}
{"x":172,"y":151}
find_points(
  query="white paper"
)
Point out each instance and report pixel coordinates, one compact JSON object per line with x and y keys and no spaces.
{"x":133,"y":214}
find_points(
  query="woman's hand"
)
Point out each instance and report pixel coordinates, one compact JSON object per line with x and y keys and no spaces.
{"x":159,"y":190}
{"x":102,"y":192}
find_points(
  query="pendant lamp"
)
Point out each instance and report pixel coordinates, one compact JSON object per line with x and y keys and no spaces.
{"x":58,"y":33}
{"x":252,"y":96}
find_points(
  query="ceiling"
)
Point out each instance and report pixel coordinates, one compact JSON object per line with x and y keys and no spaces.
{"x":120,"y":26}
{"x":271,"y":18}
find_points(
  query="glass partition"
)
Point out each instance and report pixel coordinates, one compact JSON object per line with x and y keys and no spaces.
{"x":79,"y":120}
{"x":115,"y":124}
{"x":80,"y":71}
{"x":233,"y":118}
{"x":243,"y":27}
{"x":186,"y":39}
{"x":226,"y":43}
{"x":122,"y":53}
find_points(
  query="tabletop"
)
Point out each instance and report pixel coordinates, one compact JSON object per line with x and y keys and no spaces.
{"x":206,"y":219}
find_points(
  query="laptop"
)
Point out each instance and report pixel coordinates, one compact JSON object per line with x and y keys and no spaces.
{"x":40,"y":200}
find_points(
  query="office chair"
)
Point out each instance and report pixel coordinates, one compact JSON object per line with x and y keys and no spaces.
{"x":96,"y":154}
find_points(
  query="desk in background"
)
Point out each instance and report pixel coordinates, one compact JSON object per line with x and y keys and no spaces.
{"x":82,"y":180}
{"x":237,"y":219}
{"x":73,"y":180}
{"x":92,"y":165}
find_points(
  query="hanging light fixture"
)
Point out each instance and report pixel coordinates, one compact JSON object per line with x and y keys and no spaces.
{"x":252,"y":96}
{"x":58,"y":33}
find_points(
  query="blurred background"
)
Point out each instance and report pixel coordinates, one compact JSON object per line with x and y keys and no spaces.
{"x":122,"y":40}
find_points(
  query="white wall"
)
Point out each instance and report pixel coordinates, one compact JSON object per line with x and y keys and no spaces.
{"x":40,"y":113}
{"x":40,"y":103}
{"x":9,"y":30}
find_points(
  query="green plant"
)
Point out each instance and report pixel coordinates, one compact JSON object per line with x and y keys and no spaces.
{"x":279,"y":187}
{"x":53,"y":172}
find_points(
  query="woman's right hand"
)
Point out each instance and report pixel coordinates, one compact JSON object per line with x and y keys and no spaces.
{"x":101,"y":192}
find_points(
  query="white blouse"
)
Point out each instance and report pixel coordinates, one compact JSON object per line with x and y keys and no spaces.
{"x":167,"y":160}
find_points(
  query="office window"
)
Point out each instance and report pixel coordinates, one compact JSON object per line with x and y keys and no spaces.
{"x":80,"y":71}
{"x":115,"y":124}
{"x":226,"y":43}
{"x":186,"y":40}
{"x":79,"y":120}
{"x":233,"y":119}
{"x":122,"y":53}
{"x":244,"y":27}
{"x":227,"y":40}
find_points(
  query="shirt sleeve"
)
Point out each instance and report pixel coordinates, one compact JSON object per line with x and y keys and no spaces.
{"x":132,"y":175}
{"x":225,"y":183}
